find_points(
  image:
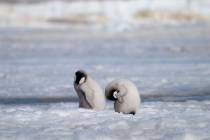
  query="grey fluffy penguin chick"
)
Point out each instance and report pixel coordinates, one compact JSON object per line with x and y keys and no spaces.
{"x":125,"y":96}
{"x":89,"y":92}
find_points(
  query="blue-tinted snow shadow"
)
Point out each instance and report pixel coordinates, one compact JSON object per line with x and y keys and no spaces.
{"x":175,"y":98}
{"x":35,"y":100}
{"x":178,"y":94}
{"x":51,"y":100}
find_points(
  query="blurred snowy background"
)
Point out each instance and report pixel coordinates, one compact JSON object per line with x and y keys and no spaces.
{"x":163,"y":46}
{"x":124,"y":13}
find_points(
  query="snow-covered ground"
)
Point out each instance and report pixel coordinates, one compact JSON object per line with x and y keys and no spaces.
{"x":156,"y":121}
{"x":169,"y":64}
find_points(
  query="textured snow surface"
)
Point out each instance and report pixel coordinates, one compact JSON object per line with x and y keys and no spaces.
{"x":169,"y":64}
{"x":155,"y":120}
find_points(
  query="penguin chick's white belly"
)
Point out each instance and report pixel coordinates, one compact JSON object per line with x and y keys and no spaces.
{"x":94,"y":94}
{"x":130,"y":101}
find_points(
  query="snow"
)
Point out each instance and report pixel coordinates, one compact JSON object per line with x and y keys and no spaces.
{"x":169,"y":64}
{"x":156,"y":120}
{"x":100,"y":13}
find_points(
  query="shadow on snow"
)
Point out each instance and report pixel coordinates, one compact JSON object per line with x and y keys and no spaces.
{"x":35,"y":100}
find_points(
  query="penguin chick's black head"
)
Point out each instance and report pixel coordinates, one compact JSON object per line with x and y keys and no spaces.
{"x":111,"y":94}
{"x":79,"y":75}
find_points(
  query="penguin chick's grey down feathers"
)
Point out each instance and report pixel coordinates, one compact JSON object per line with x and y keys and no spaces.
{"x":125,"y":94}
{"x":89,"y":92}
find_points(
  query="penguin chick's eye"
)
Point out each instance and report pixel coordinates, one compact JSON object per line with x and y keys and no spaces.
{"x":82,"y":80}
{"x":115,"y":94}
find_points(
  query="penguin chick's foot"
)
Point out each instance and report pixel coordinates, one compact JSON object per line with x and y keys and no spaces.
{"x":132,"y":112}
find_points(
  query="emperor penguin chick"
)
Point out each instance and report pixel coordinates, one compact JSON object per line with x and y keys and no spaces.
{"x":125,"y":94}
{"x":89,"y":92}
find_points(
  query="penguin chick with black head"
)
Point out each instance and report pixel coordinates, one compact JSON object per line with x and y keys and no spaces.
{"x":89,"y":92}
{"x":125,"y":96}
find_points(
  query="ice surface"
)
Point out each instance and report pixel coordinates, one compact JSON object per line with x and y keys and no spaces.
{"x":169,"y":64}
{"x":156,"y":120}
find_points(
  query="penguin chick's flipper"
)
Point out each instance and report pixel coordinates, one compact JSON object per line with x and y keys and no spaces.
{"x":89,"y":95}
{"x":84,"y":103}
{"x":120,"y":99}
